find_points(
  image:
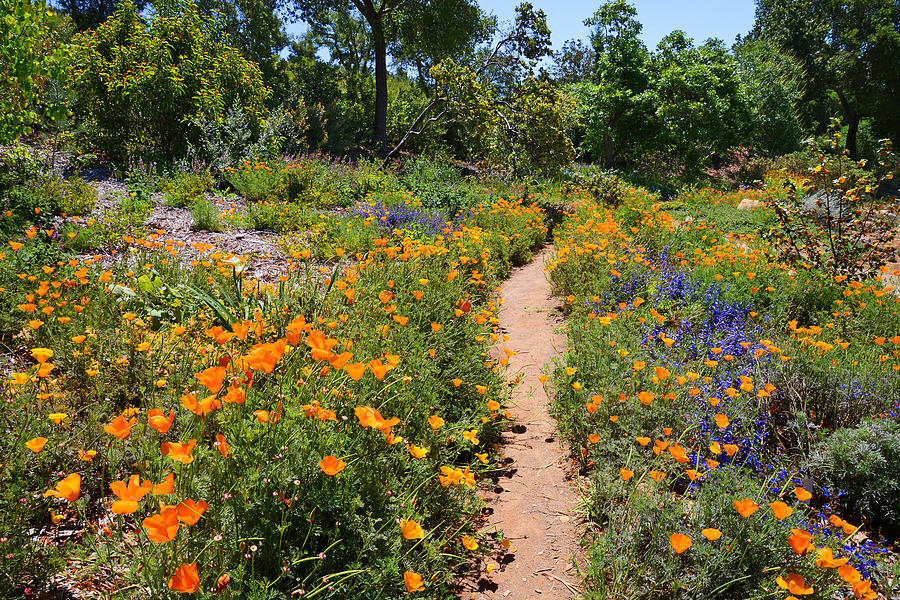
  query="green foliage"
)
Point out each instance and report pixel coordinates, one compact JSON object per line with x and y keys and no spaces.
{"x":205,"y":215}
{"x":72,"y":196}
{"x":840,"y":228}
{"x":307,"y":182}
{"x":30,"y":56}
{"x":847,"y":51}
{"x":186,"y":187}
{"x":861,"y":462}
{"x":437,"y":185}
{"x":773,"y":84}
{"x":147,"y":85}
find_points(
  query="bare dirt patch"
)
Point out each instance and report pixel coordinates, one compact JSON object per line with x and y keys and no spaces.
{"x":533,"y":501}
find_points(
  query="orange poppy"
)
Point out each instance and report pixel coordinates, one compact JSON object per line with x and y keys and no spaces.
{"x":185,"y":579}
{"x":435,"y":422}
{"x":680,"y":542}
{"x":167,"y":486}
{"x":129,"y":494}
{"x":781,"y":510}
{"x":625,"y":474}
{"x":178,"y":451}
{"x":378,"y":369}
{"x":162,"y":527}
{"x":469,"y":543}
{"x":825,"y":559}
{"x":189,"y":512}
{"x":411,"y":530}
{"x":36,"y":444}
{"x":157,"y":420}
{"x":212,"y":378}
{"x":68,"y":489}
{"x":678,"y":453}
{"x":413,"y":582}
{"x":646,"y":397}
{"x":794,"y":584}
{"x":711,"y":533}
{"x":800,"y":541}
{"x":120,"y":428}
{"x":643,"y":441}
{"x":222,"y":446}
{"x":417,"y":451}
{"x":657,"y":476}
{"x":331,"y":465}
{"x":355,"y":370}
{"x":802,"y":494}
{"x":745,"y":507}
{"x":722,"y":420}
{"x":370,"y":417}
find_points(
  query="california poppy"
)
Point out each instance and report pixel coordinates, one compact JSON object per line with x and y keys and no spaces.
{"x":794,"y":584}
{"x":189,"y":512}
{"x":435,"y":422}
{"x":167,"y":486}
{"x":722,"y":420}
{"x":825,"y":559}
{"x":413,"y":581}
{"x":162,"y":527}
{"x":120,"y":428}
{"x":68,"y":489}
{"x":625,"y":474}
{"x":157,"y":419}
{"x":417,"y":451}
{"x":222,"y":446}
{"x":185,"y":579}
{"x":680,"y":542}
{"x":469,"y":543}
{"x":711,"y":533}
{"x":129,"y":494}
{"x":36,"y":444}
{"x":411,"y":530}
{"x":780,"y":509}
{"x":331,"y":465}
{"x":745,"y":507}
{"x":800,"y":541}
{"x":802,"y":494}
{"x":212,"y":378}
{"x":177,"y":451}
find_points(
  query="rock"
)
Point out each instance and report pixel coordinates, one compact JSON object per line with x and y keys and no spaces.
{"x":747,"y":204}
{"x":822,"y":204}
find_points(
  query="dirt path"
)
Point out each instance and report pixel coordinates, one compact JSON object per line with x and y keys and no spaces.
{"x":532,"y":501}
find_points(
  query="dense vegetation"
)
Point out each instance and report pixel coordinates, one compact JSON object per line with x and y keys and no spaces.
{"x":310,"y":413}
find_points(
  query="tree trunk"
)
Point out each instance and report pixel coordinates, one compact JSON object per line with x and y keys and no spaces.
{"x":852,"y":118}
{"x":381,"y":95}
{"x":609,"y":157}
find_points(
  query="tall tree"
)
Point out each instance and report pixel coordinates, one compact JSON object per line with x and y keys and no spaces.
{"x":622,"y":72}
{"x":87,"y":14}
{"x":847,"y":47}
{"x":574,"y":62}
{"x":255,"y":29}
{"x":382,"y":18}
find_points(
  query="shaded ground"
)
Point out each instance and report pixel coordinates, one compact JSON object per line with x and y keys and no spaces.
{"x":532,"y":502}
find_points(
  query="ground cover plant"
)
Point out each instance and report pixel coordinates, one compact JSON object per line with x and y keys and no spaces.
{"x":173,"y":427}
{"x":733,"y":411}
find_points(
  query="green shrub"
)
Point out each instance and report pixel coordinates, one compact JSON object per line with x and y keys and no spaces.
{"x":307,"y":182}
{"x":438,"y":185}
{"x":206,"y":215}
{"x":274,"y":216}
{"x":146,"y":85}
{"x":73,"y":196}
{"x":862,"y":463}
{"x":183,"y":189}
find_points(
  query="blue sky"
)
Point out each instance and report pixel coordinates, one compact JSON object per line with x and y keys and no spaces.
{"x":700,"y":19}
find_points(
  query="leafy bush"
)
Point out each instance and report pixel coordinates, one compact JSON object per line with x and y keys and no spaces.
{"x":306,"y":181}
{"x":206,"y":215}
{"x":185,"y":188}
{"x":147,"y":85}
{"x":73,"y":196}
{"x":859,"y":465}
{"x":438,"y":185}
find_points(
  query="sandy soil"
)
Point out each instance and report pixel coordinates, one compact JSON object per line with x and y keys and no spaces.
{"x":533,"y":501}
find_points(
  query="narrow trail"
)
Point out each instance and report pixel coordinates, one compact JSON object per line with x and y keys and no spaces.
{"x":533,"y":502}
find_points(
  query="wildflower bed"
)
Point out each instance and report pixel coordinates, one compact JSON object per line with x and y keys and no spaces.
{"x":704,"y":382}
{"x":171,"y":428}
